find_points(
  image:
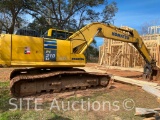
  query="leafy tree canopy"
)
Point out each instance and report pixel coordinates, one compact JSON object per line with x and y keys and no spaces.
{"x":11,"y":13}
{"x":73,"y":14}
{"x":62,"y":14}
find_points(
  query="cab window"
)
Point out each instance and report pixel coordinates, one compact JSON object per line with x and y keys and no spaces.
{"x":60,"y":34}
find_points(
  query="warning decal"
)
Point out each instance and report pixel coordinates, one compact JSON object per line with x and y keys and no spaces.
{"x":27,"y":50}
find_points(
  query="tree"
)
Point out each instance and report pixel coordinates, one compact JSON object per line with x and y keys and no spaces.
{"x":11,"y":12}
{"x":72,"y":15}
{"x":92,"y":52}
{"x":0,"y":28}
{"x":146,"y":25}
{"x":40,"y":25}
{"x":66,"y":14}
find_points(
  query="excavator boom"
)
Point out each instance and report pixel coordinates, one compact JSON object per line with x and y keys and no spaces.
{"x":84,"y":37}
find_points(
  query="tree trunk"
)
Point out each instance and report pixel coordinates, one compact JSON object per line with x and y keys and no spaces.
{"x":11,"y":28}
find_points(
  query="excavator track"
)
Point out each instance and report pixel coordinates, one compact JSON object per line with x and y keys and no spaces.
{"x":33,"y":81}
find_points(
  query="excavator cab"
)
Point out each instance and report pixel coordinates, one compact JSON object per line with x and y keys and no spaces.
{"x":26,"y":32}
{"x":57,"y":34}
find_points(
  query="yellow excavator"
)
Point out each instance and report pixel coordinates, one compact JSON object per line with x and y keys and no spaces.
{"x":50,"y":60}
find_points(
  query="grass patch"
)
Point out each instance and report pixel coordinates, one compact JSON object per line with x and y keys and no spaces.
{"x":4,"y":96}
{"x":141,"y":99}
{"x":6,"y":114}
{"x":30,"y":115}
{"x":4,"y":85}
{"x":11,"y":115}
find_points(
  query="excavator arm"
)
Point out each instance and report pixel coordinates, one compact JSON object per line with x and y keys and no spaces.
{"x":84,"y":37}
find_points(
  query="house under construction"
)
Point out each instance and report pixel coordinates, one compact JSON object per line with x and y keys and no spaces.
{"x":116,"y":53}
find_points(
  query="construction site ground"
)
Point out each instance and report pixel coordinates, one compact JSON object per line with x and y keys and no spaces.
{"x":115,"y":97}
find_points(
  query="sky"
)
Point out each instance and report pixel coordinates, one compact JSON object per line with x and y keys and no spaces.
{"x":135,"y":13}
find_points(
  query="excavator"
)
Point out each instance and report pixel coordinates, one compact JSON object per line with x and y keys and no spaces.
{"x":48,"y":64}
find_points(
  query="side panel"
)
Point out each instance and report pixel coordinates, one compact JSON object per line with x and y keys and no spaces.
{"x":27,"y":49}
{"x":63,"y":51}
{"x":38,"y":52}
{"x":5,"y":49}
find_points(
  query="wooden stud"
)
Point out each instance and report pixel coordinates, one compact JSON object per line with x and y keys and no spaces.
{"x":129,"y":56}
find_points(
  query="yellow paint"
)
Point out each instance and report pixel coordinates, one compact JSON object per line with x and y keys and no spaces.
{"x":69,"y":53}
{"x":5,"y":49}
{"x":19,"y":43}
{"x":64,"y":51}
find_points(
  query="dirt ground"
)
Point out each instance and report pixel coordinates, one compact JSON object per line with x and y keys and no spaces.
{"x":4,"y":77}
{"x":117,"y":72}
{"x":133,"y":73}
{"x":118,"y":92}
{"x":4,"y":72}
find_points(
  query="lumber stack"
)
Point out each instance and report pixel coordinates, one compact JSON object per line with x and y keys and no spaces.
{"x":155,"y":113}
